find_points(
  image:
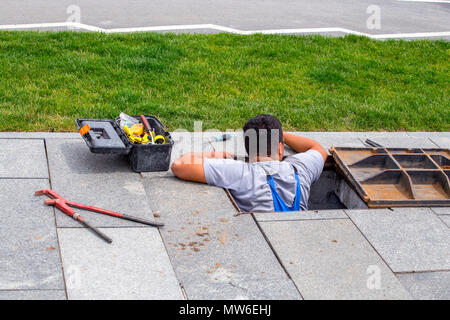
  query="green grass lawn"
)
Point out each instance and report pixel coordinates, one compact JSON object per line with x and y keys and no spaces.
{"x":312,"y":83}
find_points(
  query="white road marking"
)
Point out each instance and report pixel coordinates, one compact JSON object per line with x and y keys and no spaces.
{"x":82,"y":26}
{"x":410,"y":35}
{"x":431,"y":1}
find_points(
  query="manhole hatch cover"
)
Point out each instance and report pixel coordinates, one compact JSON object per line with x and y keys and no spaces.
{"x":395,"y":177}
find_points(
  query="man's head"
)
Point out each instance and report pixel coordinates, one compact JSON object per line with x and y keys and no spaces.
{"x":263,"y":138}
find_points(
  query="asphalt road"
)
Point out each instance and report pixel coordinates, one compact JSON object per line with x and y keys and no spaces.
{"x":396,"y":17}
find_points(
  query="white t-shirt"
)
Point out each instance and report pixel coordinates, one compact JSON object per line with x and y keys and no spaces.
{"x":247,"y":182}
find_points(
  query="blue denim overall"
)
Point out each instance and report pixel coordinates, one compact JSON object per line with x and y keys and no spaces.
{"x":278,"y":203}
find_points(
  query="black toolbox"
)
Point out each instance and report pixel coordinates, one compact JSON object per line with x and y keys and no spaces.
{"x":105,"y":136}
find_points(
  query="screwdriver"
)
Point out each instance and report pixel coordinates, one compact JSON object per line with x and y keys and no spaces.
{"x":223,"y":137}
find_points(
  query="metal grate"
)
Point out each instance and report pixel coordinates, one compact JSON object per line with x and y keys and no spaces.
{"x":396,"y":177}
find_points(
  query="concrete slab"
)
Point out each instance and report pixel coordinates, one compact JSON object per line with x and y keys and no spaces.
{"x":29,"y":250}
{"x":398,"y":140}
{"x":381,"y":135}
{"x":104,"y":181}
{"x":330,"y":259}
{"x":40,"y":135}
{"x":445,"y":219}
{"x":300,"y":215}
{"x":23,"y":158}
{"x":32,"y":295}
{"x":327,"y":143}
{"x":427,"y":285}
{"x":441,"y":210}
{"x":235,"y":145}
{"x":336,"y":139}
{"x":424,"y":134}
{"x":441,"y":142}
{"x":250,"y":290}
{"x":210,"y":247}
{"x":134,"y":266}
{"x":248,"y":15}
{"x":408,"y":239}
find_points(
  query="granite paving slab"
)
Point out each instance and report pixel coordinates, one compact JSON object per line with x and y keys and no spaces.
{"x":445,"y":219}
{"x":389,"y":139}
{"x":32,"y":295}
{"x":427,"y":285}
{"x":399,"y":141}
{"x":330,"y":259}
{"x":23,"y":158}
{"x":441,"y":210}
{"x":29,"y":246}
{"x":209,"y":246}
{"x":104,"y":181}
{"x":441,"y":142}
{"x":336,"y":139}
{"x":300,"y":215}
{"x":408,"y":239}
{"x":234,"y":145}
{"x":381,"y":135}
{"x":424,"y":134}
{"x":134,"y":266}
{"x":39,"y":135}
{"x":250,"y":290}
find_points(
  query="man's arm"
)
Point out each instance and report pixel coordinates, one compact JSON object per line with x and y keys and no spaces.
{"x":302,"y":144}
{"x":190,"y":165}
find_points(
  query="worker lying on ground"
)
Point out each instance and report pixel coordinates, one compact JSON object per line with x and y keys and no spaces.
{"x":266,"y":183}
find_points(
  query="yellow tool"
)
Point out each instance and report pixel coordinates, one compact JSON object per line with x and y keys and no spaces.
{"x":145,"y":139}
{"x":137,"y":129}
{"x":135,"y":139}
{"x":159,"y":138}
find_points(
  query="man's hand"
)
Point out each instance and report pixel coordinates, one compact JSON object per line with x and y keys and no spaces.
{"x":302,"y":144}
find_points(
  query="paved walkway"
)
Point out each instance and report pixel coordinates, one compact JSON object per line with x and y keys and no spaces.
{"x":205,"y":251}
{"x":384,"y":19}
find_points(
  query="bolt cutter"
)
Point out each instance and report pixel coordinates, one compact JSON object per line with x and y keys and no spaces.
{"x":65,"y":206}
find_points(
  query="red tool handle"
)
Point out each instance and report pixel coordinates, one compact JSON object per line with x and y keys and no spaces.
{"x":52,"y":194}
{"x":61,"y":205}
{"x":145,"y":122}
{"x":64,"y":205}
{"x":94,"y":209}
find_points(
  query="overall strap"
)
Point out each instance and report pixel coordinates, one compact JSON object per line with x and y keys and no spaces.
{"x":278,"y":203}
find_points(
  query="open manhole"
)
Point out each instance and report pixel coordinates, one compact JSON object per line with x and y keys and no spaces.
{"x":397,"y":177}
{"x":360,"y":178}
{"x":332,"y":191}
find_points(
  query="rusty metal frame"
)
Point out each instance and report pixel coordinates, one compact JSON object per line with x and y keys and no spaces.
{"x":405,"y":165}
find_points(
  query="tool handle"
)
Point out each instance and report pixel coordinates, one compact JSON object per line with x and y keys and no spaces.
{"x":223,"y":137}
{"x":144,"y":221}
{"x":145,"y":122}
{"x":373,"y":144}
{"x":114,"y":214}
{"x":95,"y":230}
{"x":52,"y":194}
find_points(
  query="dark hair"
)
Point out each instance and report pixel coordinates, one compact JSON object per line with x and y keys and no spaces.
{"x":264,"y":128}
